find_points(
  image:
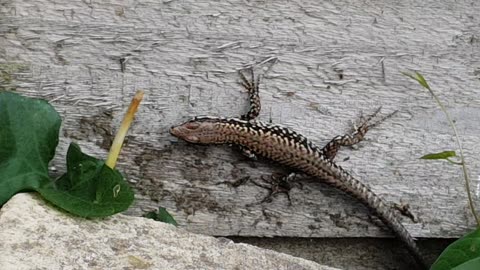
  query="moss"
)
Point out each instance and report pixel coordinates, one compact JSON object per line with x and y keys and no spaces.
{"x":7,"y":74}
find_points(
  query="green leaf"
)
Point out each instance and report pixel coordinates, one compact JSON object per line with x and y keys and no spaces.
{"x":470,"y":265}
{"x":89,"y":188}
{"x":459,"y":252}
{"x":28,"y":138}
{"x":419,"y":78}
{"x":161,"y":215}
{"x":440,"y":155}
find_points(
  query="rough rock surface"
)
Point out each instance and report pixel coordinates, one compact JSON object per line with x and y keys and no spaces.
{"x":36,"y":235}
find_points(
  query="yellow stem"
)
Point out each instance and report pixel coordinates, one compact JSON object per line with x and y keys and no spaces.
{"x":122,"y":132}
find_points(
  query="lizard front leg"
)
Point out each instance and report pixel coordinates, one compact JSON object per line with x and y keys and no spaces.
{"x":251,"y":85}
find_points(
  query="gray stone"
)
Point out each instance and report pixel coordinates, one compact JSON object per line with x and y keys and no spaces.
{"x":36,"y":235}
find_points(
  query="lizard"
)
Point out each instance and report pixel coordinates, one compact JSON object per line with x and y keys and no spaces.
{"x":289,"y":148}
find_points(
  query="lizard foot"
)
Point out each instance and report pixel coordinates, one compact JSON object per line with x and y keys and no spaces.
{"x":404,"y":210}
{"x":277,"y":184}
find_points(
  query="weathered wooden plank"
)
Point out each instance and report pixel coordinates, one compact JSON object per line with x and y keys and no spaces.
{"x":323,"y":63}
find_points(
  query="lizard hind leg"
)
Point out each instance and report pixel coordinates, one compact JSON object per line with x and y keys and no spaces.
{"x":330,"y":150}
{"x":277,"y":184}
{"x":251,"y":85}
{"x":247,"y":152}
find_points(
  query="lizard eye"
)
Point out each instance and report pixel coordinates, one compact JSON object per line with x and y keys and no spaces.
{"x":192,"y":125}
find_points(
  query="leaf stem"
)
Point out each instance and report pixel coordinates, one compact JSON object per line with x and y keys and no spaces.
{"x":122,"y":131}
{"x":462,"y":157}
{"x":419,"y":78}
{"x":454,"y":162}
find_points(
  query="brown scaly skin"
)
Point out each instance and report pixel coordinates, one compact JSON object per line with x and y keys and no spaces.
{"x":291,"y":149}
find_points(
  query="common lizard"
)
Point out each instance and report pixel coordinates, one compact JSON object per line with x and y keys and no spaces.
{"x":291,"y":149}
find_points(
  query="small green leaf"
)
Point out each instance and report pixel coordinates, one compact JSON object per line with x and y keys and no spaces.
{"x":419,"y":78}
{"x":440,"y":155}
{"x":422,"y":80}
{"x":470,"y":265}
{"x":89,"y":188}
{"x":459,"y":252}
{"x":28,"y":138}
{"x":161,"y":215}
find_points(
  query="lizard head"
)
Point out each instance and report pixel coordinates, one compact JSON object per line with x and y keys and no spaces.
{"x":200,"y":130}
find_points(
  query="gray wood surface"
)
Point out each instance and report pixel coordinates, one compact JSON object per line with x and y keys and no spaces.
{"x":323,"y":62}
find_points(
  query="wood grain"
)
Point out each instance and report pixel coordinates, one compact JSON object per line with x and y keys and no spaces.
{"x":323,"y":62}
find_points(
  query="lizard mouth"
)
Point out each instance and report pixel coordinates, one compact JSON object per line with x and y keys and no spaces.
{"x":183,"y":133}
{"x":176,"y":131}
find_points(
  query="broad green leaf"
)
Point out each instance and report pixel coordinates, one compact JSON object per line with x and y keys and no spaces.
{"x":28,"y":138}
{"x":161,"y":215}
{"x":419,"y":78}
{"x":89,"y":188}
{"x":459,"y":252}
{"x":470,"y":265}
{"x":440,"y":155}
